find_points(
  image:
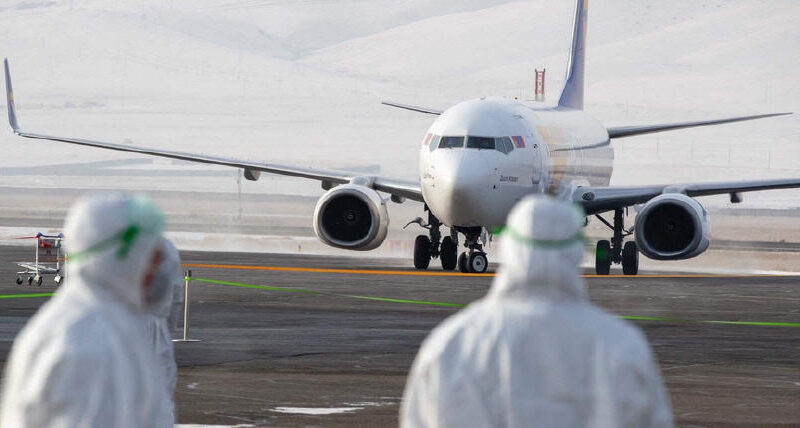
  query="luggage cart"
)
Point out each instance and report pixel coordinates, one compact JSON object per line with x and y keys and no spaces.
{"x":49,"y":261}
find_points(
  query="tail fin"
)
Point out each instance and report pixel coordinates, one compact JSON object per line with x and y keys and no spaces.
{"x":572,"y":94}
{"x":12,"y":113}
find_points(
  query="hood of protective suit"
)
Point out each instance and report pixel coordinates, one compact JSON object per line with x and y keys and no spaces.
{"x":541,"y":250}
{"x":168,"y":277}
{"x":110,"y":242}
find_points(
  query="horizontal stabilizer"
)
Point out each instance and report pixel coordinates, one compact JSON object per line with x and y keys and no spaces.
{"x":412,"y":108}
{"x":629,"y":131}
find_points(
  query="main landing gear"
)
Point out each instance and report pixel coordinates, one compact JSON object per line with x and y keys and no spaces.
{"x":433,"y":245}
{"x":614,"y":251}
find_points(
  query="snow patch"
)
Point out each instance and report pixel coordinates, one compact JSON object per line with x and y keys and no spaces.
{"x":316,"y":410}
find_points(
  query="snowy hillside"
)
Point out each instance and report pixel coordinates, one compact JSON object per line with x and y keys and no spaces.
{"x":300,"y":81}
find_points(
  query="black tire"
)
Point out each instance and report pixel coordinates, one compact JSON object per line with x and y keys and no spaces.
{"x":30,"y":279}
{"x":39,"y":281}
{"x":448,"y":253}
{"x":20,"y":280}
{"x":630,"y":259}
{"x":602,"y":258}
{"x":422,"y":252}
{"x":478,"y":262}
{"x":463,"y":266}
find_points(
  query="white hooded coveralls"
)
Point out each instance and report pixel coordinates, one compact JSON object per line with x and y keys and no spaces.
{"x":168,"y":278}
{"x":83,"y":360}
{"x":535,"y":352}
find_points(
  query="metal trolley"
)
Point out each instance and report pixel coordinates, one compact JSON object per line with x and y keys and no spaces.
{"x":49,"y":261}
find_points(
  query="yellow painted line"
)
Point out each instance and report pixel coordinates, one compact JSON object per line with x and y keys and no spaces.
{"x":457,"y":274}
{"x":692,"y":275}
{"x":337,"y":271}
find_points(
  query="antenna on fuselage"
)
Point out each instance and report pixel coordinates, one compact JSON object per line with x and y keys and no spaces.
{"x":572,"y":94}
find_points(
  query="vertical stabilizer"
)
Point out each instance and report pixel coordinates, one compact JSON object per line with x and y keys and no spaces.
{"x":572,"y":95}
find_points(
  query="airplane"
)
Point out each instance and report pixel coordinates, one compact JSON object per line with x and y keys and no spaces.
{"x":479,"y":158}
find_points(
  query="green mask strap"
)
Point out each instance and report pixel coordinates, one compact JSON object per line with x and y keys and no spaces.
{"x":542,"y":243}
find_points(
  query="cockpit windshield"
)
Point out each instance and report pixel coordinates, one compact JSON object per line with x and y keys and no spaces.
{"x":482,"y":143}
{"x":451,"y":142}
{"x":501,"y":144}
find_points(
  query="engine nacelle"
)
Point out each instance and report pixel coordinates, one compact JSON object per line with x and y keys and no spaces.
{"x":672,"y":226}
{"x":352,"y":217}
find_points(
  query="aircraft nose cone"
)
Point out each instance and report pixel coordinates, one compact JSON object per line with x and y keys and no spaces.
{"x":460,"y":185}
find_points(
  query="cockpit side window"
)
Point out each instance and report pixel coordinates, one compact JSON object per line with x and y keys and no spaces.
{"x":482,"y":143}
{"x":504,"y":145}
{"x":451,"y":142}
{"x":435,"y":142}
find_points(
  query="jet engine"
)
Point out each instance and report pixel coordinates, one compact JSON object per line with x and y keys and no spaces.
{"x":672,"y":226}
{"x":352,"y":217}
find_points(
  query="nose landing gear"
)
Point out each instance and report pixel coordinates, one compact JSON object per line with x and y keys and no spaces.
{"x":608,"y":252}
{"x":474,"y":261}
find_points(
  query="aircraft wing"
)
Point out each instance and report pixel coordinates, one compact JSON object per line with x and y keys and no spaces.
{"x":418,"y":109}
{"x":402,"y":188}
{"x":629,"y":131}
{"x":596,"y":200}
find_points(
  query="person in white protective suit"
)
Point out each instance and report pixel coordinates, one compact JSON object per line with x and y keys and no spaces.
{"x":534,"y":351}
{"x":168,"y":278}
{"x":83,"y":360}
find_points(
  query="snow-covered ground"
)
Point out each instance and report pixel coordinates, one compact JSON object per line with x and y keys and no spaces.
{"x":300,"y":82}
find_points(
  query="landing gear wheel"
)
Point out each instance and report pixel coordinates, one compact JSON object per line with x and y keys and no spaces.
{"x":448,"y":253}
{"x":478,"y":262}
{"x":422,"y":252}
{"x":602,"y":258}
{"x":58,"y":279}
{"x":19,"y":280}
{"x":30,"y":279}
{"x":630,"y":259}
{"x":462,"y":263}
{"x":38,"y":280}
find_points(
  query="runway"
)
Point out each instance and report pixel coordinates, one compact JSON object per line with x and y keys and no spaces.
{"x":287,"y":339}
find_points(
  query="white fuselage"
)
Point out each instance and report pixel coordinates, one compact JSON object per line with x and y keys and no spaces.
{"x":478,"y":182}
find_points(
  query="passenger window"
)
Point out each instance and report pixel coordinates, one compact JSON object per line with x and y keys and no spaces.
{"x":504,"y":145}
{"x":435,"y":142}
{"x":451,"y":142}
{"x":482,"y":143}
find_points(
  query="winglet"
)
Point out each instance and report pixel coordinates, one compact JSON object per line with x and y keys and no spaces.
{"x":572,"y":94}
{"x":12,"y":112}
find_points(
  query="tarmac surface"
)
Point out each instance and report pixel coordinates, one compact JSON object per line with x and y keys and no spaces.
{"x":270,"y":355}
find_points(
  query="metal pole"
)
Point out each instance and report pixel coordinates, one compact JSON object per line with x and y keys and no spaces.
{"x":186,"y":305}
{"x":187,"y":279}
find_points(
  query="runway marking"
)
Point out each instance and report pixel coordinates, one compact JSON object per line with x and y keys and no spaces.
{"x":747,"y":323}
{"x":337,"y":271}
{"x":24,"y":296}
{"x":456,"y":274}
{"x":325,"y":293}
{"x":461,"y":305}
